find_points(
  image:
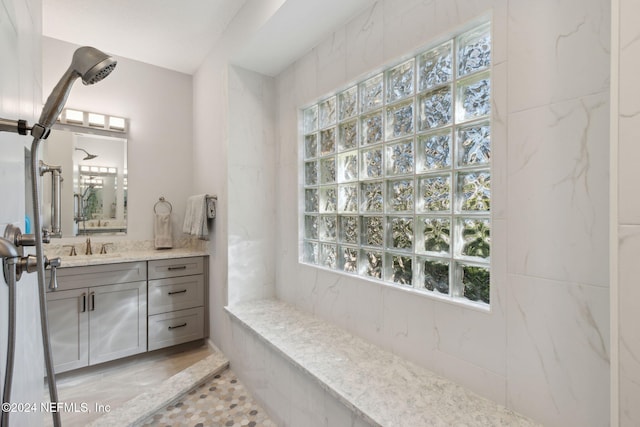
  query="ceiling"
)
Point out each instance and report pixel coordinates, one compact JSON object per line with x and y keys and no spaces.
{"x":178,"y":35}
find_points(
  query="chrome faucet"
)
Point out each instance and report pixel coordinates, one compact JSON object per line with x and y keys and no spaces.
{"x":88,"y":251}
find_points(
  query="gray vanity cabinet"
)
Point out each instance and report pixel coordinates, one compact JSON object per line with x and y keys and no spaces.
{"x":176,"y":301}
{"x":98,"y":313}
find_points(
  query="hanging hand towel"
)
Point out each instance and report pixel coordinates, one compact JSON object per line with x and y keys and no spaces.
{"x":162,"y":231}
{"x":195,"y":218}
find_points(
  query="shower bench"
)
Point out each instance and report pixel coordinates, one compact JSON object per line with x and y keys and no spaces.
{"x":307,"y":371}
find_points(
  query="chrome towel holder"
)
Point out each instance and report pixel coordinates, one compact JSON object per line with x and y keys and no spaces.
{"x":162,"y":202}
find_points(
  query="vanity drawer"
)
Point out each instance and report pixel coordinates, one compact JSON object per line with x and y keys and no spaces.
{"x":175,"y":293}
{"x":97,"y":275}
{"x":175,"y":328}
{"x":163,"y":268}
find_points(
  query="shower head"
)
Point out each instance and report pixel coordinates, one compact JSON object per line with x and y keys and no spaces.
{"x":88,"y":156}
{"x":88,"y":63}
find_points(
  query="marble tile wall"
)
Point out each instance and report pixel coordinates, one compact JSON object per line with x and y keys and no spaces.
{"x":626,"y":296}
{"x":543,"y":350}
{"x":20,"y":98}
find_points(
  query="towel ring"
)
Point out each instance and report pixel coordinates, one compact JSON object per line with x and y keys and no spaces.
{"x":162,"y":201}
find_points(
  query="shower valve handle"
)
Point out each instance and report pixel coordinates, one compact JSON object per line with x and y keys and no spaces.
{"x":53,"y":264}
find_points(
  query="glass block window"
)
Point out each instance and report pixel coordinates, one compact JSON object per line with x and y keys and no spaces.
{"x":396,"y":173}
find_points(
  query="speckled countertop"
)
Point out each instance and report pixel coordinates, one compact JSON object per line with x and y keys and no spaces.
{"x":122,"y":251}
{"x":382,"y":388}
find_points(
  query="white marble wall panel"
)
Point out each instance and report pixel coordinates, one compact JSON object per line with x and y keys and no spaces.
{"x":558,"y":351}
{"x":629,"y":332}
{"x":251,"y":175}
{"x":558,"y":185}
{"x":626,"y":338}
{"x":557,"y":51}
{"x":20,"y":98}
{"x":550,"y":219}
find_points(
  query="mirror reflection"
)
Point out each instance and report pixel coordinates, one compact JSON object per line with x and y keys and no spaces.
{"x":94,"y":182}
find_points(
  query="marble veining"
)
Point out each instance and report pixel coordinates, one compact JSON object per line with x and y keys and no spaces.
{"x":380,"y":387}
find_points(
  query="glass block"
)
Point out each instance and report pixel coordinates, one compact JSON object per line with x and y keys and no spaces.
{"x":399,"y":120}
{"x":435,"y":67}
{"x":474,"y":191}
{"x":310,"y":227}
{"x":475,"y":282}
{"x":311,"y":173}
{"x":310,"y":252}
{"x":474,"y":237}
{"x":372,"y":233}
{"x":474,"y":144}
{"x":435,"y":193}
{"x":473,"y":99}
{"x":328,"y":228}
{"x":434,"y":235}
{"x":399,"y":269}
{"x":400,"y":158}
{"x":400,"y":81}
{"x":348,"y":229}
{"x":328,"y":255}
{"x":348,"y":166}
{"x":349,"y":260}
{"x":348,"y":198}
{"x":400,"y":233}
{"x":371,"y":263}
{"x":347,"y":103}
{"x":400,"y":195}
{"x":328,"y":170}
{"x":371,"y":197}
{"x":434,"y":275}
{"x":371,"y":163}
{"x":311,"y":119}
{"x":328,"y":199}
{"x":371,"y":94}
{"x":371,"y":129}
{"x":327,"y":112}
{"x":327,"y":141}
{"x":434,"y":151}
{"x":348,"y":135}
{"x":474,"y":50}
{"x":311,"y":200}
{"x":435,"y":109}
{"x":310,"y":146}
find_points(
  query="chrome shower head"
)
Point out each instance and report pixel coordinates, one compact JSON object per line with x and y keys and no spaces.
{"x":88,"y":63}
{"x":88,"y":156}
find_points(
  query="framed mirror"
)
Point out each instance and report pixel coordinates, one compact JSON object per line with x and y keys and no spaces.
{"x":93,"y":191}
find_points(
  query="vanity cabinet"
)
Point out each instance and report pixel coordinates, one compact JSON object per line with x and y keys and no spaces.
{"x":98,"y":313}
{"x":109,"y":311}
{"x":176,"y":301}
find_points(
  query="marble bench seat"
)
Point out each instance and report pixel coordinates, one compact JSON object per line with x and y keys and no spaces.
{"x":381,"y":388}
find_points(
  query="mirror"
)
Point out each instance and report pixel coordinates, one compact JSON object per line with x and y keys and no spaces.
{"x":93,"y":192}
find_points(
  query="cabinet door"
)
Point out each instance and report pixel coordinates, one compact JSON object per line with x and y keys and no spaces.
{"x":117,"y":321}
{"x":68,"y":328}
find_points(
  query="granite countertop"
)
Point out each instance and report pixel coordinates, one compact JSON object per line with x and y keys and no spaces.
{"x":121,"y":251}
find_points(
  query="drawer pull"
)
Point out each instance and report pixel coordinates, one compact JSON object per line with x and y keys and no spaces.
{"x":84,"y":302}
{"x":179,"y":326}
{"x":182,"y":267}
{"x":92,"y":301}
{"x":178,"y":292}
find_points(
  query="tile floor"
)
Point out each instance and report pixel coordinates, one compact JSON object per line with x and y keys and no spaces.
{"x":116,"y":383}
{"x":221,"y":401}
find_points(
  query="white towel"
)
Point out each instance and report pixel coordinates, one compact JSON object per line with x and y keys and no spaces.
{"x":195,"y":218}
{"x":162,"y":231}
